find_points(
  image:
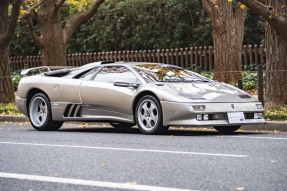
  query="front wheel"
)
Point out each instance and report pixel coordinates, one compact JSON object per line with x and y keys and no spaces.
{"x":148,"y":116}
{"x":121,"y":125}
{"x":40,"y":114}
{"x":226,"y":129}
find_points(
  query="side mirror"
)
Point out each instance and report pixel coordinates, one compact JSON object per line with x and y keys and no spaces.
{"x":126,"y":84}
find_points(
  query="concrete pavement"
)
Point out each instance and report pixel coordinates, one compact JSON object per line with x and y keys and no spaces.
{"x":269,"y":126}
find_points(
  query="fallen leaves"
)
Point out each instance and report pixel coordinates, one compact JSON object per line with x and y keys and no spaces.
{"x":104,"y":164}
{"x":273,"y":161}
{"x":240,"y":188}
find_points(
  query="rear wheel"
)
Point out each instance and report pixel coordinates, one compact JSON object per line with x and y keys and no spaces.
{"x":226,"y":129}
{"x":149,"y":116}
{"x":121,"y":125}
{"x":40,"y":114}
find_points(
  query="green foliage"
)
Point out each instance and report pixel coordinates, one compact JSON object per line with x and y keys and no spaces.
{"x":22,"y":43}
{"x":254,"y":31}
{"x":144,"y":24}
{"x":16,"y":77}
{"x":9,"y":109}
{"x":279,"y":114}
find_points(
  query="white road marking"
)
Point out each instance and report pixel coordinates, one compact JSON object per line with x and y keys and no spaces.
{"x":275,"y":138}
{"x":126,"y":149}
{"x":88,"y":182}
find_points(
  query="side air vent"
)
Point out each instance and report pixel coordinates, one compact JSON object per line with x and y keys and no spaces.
{"x":72,"y":110}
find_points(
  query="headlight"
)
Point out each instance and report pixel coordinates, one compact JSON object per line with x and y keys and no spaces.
{"x":198,"y":107}
{"x":259,"y":106}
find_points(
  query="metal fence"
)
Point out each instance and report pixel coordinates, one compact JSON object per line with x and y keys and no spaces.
{"x":184,"y":57}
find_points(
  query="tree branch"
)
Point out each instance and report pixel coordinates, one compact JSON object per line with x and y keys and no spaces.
{"x":32,"y":8}
{"x":79,"y":18}
{"x":12,"y":23}
{"x":37,"y":39}
{"x":58,"y":5}
{"x":278,"y":22}
{"x":207,"y":7}
{"x":25,"y":6}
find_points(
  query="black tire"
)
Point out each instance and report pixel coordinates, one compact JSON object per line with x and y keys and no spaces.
{"x":148,"y":116}
{"x":121,"y":125}
{"x":226,"y":129}
{"x":40,"y":114}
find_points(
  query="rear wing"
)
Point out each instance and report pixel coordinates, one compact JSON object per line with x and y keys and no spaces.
{"x":42,"y":69}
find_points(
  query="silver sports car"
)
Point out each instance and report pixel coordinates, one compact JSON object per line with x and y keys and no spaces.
{"x":151,"y":95}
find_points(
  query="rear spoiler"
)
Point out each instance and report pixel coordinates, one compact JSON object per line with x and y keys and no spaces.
{"x":42,"y":69}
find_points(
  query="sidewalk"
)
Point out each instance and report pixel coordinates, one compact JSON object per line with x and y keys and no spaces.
{"x":269,"y":126}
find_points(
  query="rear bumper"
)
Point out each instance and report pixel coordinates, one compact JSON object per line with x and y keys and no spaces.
{"x":182,"y":114}
{"x":22,"y":105}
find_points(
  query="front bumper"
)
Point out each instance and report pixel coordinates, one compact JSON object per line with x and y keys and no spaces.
{"x":22,"y":105}
{"x":182,"y":114}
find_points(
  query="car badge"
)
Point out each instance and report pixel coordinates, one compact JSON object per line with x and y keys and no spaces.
{"x":232,"y":105}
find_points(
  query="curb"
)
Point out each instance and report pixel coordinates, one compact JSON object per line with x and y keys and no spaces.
{"x":268,"y":126}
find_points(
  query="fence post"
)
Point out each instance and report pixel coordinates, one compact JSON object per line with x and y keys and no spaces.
{"x":260,"y":83}
{"x":198,"y":69}
{"x":240,"y":84}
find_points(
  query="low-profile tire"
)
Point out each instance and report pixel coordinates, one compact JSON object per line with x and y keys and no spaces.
{"x":40,"y":114}
{"x":148,"y":116}
{"x":121,"y":125}
{"x":226,"y":129}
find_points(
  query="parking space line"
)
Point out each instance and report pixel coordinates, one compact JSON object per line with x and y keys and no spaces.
{"x":275,"y":138}
{"x":88,"y":182}
{"x":127,"y":149}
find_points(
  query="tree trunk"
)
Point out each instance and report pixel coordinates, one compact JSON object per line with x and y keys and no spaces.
{"x":8,"y":22}
{"x":6,"y":88}
{"x":228,"y":30}
{"x":276,"y":63}
{"x":227,"y":54}
{"x":54,"y":49}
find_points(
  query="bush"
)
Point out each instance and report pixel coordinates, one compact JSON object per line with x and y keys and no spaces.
{"x":279,"y":114}
{"x":16,"y":77}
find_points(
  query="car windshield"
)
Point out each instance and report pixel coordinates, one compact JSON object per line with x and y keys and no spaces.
{"x":168,"y":73}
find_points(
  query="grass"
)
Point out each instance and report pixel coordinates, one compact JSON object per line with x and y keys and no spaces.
{"x":279,"y":114}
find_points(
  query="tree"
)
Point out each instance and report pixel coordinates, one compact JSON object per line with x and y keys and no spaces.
{"x":53,"y":38}
{"x":228,"y":28}
{"x":275,"y":13}
{"x":144,"y":24}
{"x":8,"y":22}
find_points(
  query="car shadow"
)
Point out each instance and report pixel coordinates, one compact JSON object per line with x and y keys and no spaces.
{"x":171,"y":131}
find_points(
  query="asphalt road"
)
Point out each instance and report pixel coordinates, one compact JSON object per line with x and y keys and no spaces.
{"x":104,"y":158}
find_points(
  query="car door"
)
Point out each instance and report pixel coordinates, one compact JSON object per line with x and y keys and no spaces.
{"x":101,"y":97}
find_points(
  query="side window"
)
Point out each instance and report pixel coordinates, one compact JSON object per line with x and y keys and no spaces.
{"x":111,"y":73}
{"x":87,"y":75}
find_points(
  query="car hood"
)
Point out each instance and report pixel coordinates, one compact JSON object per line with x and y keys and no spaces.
{"x":214,"y":92}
